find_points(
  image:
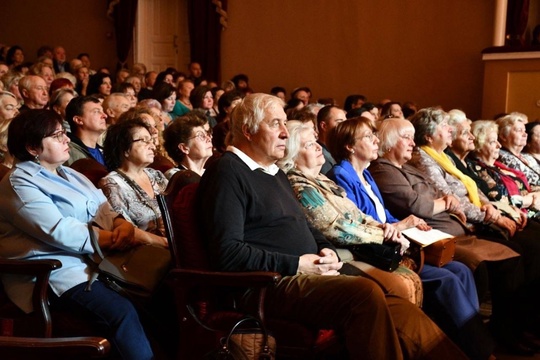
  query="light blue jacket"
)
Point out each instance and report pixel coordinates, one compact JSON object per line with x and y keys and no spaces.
{"x":46,"y":216}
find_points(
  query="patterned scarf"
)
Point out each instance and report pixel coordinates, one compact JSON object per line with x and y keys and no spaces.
{"x":443,"y":160}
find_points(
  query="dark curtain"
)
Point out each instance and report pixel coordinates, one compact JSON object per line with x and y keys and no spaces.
{"x":205,"y":36}
{"x":123,"y":14}
{"x":516,"y":22}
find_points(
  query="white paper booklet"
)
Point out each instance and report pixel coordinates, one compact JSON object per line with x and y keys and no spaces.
{"x":425,"y":238}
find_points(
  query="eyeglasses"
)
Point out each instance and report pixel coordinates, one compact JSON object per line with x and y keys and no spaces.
{"x":58,"y":135}
{"x":145,"y":141}
{"x":202,"y":136}
{"x":369,"y":136}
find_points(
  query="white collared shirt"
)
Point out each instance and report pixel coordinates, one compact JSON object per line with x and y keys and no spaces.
{"x":270,"y":170}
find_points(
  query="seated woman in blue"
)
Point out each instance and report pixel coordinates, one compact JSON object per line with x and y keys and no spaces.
{"x":449,"y":291}
{"x":47,"y":211}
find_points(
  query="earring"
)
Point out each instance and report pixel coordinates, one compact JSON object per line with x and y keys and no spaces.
{"x":352,"y":151}
{"x":36,"y":159}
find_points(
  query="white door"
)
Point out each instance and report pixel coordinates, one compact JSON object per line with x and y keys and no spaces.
{"x":161,"y":34}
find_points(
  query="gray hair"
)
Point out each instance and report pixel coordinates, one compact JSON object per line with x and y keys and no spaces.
{"x":508,"y":121}
{"x":456,"y":117}
{"x":293,"y":145}
{"x":389,"y":132}
{"x":481,"y":129}
{"x":425,"y":123}
{"x":250,"y":112}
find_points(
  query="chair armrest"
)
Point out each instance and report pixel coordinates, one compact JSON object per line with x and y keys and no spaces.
{"x":199,"y":278}
{"x":57,"y":348}
{"x":41,"y":269}
{"x":28,"y":267}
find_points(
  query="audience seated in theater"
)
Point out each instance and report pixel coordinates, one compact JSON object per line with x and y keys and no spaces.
{"x":513,"y":138}
{"x":83,"y":77}
{"x":228,"y":85}
{"x":146,"y":90}
{"x":450,"y":291}
{"x":60,"y":83}
{"x":327,"y":119}
{"x":165,"y":93}
{"x":45,"y":213}
{"x":162,"y":162}
{"x":195,"y":73}
{"x":409,"y":109}
{"x":216,"y":94}
{"x":121,"y":76}
{"x":74,"y":65}
{"x":14,"y":56}
{"x":253,"y":222}
{"x":9,"y":106}
{"x":11,"y":83}
{"x":154,"y":107}
{"x":3,"y":69}
{"x":302,"y":93}
{"x":510,"y":187}
{"x":59,"y":102}
{"x":354,"y":102}
{"x":278,"y":91}
{"x":114,"y":106}
{"x":99,"y":85}
{"x":129,"y":90}
{"x":336,"y":217}
{"x":136,"y":82}
{"x":165,"y":76}
{"x":432,"y":136}
{"x":87,"y":121}
{"x":391,"y":109}
{"x":60,"y":60}
{"x":68,"y":76}
{"x":241,"y":82}
{"x":183,"y":105}
{"x":188,"y":141}
{"x":201,"y":98}
{"x":131,"y":186}
{"x":34,"y":92}
{"x":45,"y":51}
{"x":227,"y":102}
{"x":533,"y":140}
{"x":44,"y":70}
{"x":85,"y":60}
{"x":138,"y":70}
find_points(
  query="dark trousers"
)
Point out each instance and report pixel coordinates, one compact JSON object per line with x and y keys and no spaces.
{"x":375,"y":325}
{"x":115,"y":312}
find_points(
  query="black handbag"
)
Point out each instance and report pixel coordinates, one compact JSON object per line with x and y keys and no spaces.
{"x":383,"y":256}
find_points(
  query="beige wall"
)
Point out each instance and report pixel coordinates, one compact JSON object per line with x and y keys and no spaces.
{"x":79,"y":26}
{"x":420,"y":50}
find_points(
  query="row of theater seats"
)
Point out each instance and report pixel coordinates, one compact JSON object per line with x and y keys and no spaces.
{"x":204,"y":299}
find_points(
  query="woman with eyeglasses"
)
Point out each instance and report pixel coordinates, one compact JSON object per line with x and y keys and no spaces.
{"x":131,"y":186}
{"x":48,"y":211}
{"x":188,"y":142}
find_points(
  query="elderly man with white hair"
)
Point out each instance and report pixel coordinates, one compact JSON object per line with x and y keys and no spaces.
{"x":253,"y":222}
{"x":34,"y":91}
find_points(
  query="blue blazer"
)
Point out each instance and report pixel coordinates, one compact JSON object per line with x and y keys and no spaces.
{"x":345,"y":176}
